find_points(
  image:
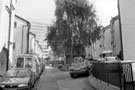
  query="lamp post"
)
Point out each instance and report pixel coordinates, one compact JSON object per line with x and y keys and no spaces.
{"x":9,"y":10}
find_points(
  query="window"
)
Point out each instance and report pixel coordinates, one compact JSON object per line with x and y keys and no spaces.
{"x":100,"y":46}
{"x":28,"y":62}
{"x":15,"y":24}
{"x":20,"y":62}
{"x":14,"y":46}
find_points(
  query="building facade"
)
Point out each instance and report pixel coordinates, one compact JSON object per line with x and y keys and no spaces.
{"x":32,"y":38}
{"x":107,"y":38}
{"x":116,"y":41}
{"x":40,"y":30}
{"x":34,"y":46}
{"x":127,"y":23}
{"x":21,"y":36}
{"x":104,"y":43}
{"x":7,"y":11}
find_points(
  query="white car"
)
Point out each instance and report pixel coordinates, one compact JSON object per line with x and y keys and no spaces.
{"x":29,"y":61}
{"x":79,"y":67}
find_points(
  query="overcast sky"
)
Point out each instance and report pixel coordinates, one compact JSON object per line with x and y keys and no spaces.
{"x":43,"y":10}
{"x":106,"y":9}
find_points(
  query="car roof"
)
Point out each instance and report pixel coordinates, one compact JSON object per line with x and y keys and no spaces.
{"x":27,"y":55}
{"x":19,"y":68}
{"x":106,"y":51}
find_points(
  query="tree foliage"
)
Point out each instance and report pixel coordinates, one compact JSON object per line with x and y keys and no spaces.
{"x":76,"y":21}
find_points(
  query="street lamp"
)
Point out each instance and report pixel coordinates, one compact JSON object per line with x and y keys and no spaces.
{"x":9,"y":10}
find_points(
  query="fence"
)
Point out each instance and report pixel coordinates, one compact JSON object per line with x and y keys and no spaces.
{"x":119,"y":74}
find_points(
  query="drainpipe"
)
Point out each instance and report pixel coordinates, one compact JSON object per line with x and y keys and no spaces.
{"x":9,"y":10}
{"x":29,"y":25}
{"x":23,"y":28}
{"x":22,"y":38}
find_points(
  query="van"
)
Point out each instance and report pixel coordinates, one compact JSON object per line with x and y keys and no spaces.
{"x":29,"y":61}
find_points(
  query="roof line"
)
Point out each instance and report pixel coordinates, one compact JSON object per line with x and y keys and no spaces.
{"x":28,"y":23}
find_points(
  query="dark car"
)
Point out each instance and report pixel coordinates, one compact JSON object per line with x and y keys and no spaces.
{"x":79,"y":66}
{"x":59,"y":65}
{"x":17,"y":79}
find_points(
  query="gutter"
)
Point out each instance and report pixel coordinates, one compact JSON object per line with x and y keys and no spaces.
{"x":29,"y":26}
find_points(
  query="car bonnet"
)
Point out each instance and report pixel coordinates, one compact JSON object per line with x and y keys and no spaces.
{"x":14,"y":81}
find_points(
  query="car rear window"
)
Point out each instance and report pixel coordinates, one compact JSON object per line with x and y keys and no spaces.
{"x":78,"y":60}
{"x":28,"y":62}
{"x":20,"y":62}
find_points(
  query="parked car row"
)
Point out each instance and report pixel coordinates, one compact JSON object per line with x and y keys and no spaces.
{"x":82,"y":65}
{"x":24,"y":75}
{"x":106,"y":56}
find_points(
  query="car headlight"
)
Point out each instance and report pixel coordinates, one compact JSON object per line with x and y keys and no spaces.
{"x":71,"y":68}
{"x":22,"y":85}
{"x":84,"y":67}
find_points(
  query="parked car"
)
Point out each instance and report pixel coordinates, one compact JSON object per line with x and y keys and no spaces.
{"x":29,"y":61}
{"x":79,"y":66}
{"x":59,"y":65}
{"x":107,"y":56}
{"x":17,"y":79}
{"x":42,"y":64}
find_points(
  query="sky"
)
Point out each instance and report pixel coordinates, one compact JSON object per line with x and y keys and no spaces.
{"x":106,"y":9}
{"x":36,"y":10}
{"x":43,"y":10}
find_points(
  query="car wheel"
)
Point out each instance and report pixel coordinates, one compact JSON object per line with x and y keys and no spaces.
{"x":33,"y":82}
{"x":30,"y":86}
{"x":1,"y":88}
{"x":90,"y":71}
{"x":34,"y":78}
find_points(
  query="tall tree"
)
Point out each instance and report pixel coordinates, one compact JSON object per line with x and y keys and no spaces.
{"x":76,"y":21}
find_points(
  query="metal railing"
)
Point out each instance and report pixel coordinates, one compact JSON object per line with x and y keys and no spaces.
{"x":119,"y":74}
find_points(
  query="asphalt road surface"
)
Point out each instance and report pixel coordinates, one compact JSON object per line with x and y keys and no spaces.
{"x":55,"y":79}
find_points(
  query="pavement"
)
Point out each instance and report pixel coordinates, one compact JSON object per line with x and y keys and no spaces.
{"x":75,"y":84}
{"x":100,"y":85}
{"x":96,"y":84}
{"x":54,"y":79}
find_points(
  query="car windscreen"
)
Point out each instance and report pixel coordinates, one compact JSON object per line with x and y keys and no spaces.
{"x":78,"y":60}
{"x":23,"y":73}
{"x":20,"y":62}
{"x":10,"y":73}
